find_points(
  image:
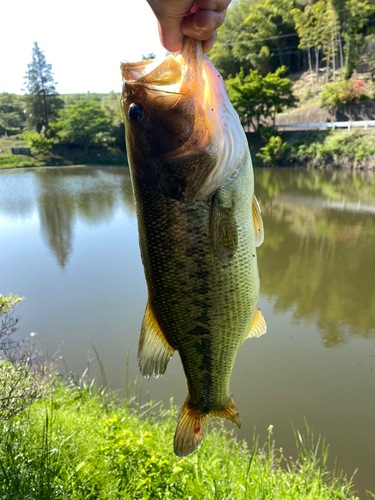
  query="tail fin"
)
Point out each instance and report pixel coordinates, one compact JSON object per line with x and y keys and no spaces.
{"x":192,"y":426}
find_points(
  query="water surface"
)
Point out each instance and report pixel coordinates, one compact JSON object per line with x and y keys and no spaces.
{"x":69,"y":245}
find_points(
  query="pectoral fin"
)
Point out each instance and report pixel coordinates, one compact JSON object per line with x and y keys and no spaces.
{"x":223,"y":227}
{"x":258,"y":223}
{"x":258,"y":326}
{"x":154,"y":351}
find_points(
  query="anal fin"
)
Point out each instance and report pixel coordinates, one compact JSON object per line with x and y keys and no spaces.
{"x":230,"y":413}
{"x":258,"y":326}
{"x":154,"y":351}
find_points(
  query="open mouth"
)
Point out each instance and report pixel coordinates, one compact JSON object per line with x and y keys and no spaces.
{"x":179,"y":73}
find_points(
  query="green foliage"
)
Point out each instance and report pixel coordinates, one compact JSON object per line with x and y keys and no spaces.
{"x":254,"y":96}
{"x":262,"y":34}
{"x":42,"y":100}
{"x":354,"y":23}
{"x":245,"y":93}
{"x":84,"y":446}
{"x":8,"y":302}
{"x":253,"y":36}
{"x":12,"y":116}
{"x":83,"y":124}
{"x":22,"y":368}
{"x":273,"y":151}
{"x":336,"y":94}
{"x":368,"y":55}
{"x":40,"y":145}
{"x":278,"y":92}
{"x":335,"y":147}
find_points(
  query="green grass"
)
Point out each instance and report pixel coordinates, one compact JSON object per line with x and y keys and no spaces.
{"x":86,"y":444}
{"x":335,"y":147}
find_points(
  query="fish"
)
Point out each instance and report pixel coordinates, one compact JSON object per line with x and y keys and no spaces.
{"x":199,"y":224}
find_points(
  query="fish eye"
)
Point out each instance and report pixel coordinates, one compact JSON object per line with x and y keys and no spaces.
{"x":136,"y":112}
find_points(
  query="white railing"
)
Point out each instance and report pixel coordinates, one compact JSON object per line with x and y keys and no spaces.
{"x":333,"y":125}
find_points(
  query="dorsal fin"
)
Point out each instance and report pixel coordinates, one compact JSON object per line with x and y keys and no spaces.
{"x":258,"y":223}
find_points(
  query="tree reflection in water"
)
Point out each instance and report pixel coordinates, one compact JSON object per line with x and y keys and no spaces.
{"x":315,"y":261}
{"x":67,"y":195}
{"x":319,"y":262}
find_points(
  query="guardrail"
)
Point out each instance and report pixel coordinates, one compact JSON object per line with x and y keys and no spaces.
{"x":333,"y":125}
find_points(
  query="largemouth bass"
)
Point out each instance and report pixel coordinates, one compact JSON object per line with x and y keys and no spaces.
{"x":199,"y":224}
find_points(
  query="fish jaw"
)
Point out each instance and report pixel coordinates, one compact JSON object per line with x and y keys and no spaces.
{"x":181,"y":142}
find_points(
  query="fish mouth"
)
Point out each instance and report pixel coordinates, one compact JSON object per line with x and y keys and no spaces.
{"x":180,"y":73}
{"x":187,"y":83}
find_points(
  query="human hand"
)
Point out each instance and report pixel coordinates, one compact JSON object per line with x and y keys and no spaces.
{"x":199,"y":20}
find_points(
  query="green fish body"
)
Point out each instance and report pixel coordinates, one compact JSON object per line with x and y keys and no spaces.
{"x":199,"y":224}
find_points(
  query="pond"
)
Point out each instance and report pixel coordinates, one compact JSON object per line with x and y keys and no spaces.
{"x":69,"y":245}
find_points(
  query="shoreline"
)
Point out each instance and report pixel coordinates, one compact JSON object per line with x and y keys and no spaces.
{"x":78,"y":165}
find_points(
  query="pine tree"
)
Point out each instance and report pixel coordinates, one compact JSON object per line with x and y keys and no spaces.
{"x":43,"y":101}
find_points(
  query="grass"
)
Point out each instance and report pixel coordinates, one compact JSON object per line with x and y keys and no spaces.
{"x":335,"y":147}
{"x":89,"y":444}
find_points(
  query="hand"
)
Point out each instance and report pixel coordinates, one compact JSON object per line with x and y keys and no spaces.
{"x":199,"y":20}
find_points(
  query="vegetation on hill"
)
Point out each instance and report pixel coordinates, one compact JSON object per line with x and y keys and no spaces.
{"x":300,"y":34}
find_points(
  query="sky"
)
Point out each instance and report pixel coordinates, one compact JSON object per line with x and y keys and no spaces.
{"x":84,"y":41}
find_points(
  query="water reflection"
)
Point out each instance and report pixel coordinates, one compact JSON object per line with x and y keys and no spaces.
{"x":317,"y":260}
{"x":90,"y":195}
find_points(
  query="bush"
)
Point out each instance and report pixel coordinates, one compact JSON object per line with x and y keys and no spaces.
{"x":24,"y":370}
{"x":337,"y":94}
{"x":40,"y":145}
{"x":273,"y":151}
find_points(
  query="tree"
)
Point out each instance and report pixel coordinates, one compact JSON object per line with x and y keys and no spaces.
{"x":368,"y":55}
{"x":43,"y":102}
{"x":12,"y":116}
{"x":83,"y":124}
{"x":277,"y":93}
{"x":256,"y":34}
{"x":357,"y":14}
{"x":245,"y":93}
{"x":254,"y":96}
{"x":302,"y":20}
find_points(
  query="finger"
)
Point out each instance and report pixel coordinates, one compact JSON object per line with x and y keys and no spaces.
{"x":203,"y":24}
{"x":171,"y":36}
{"x":207,"y":44}
{"x":215,"y":5}
{"x":208,"y":20}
